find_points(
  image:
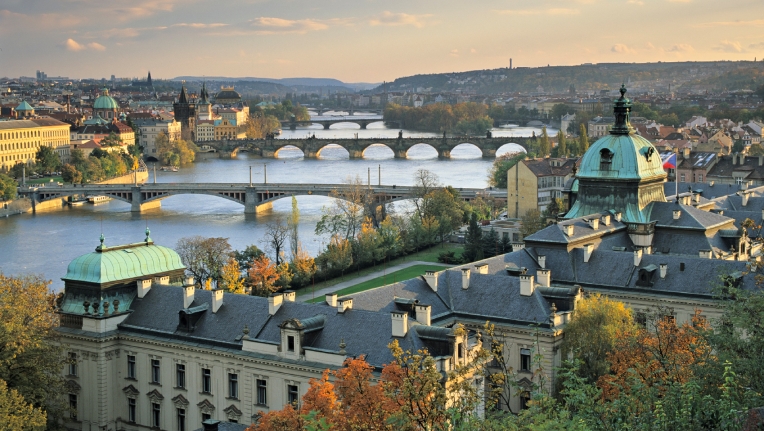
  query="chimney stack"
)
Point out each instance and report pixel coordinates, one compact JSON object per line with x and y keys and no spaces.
{"x":542,"y":261}
{"x":188,"y":292}
{"x":745,"y":199}
{"x":143,"y":287}
{"x":275,"y":300}
{"x":588,"y":249}
{"x":526,"y":285}
{"x":637,"y":256}
{"x":482,"y":268}
{"x":465,"y":278}
{"x":545,"y":277}
{"x":423,"y":314}
{"x":400,"y":323}
{"x":331,"y":299}
{"x":210,"y":425}
{"x":677,"y":214}
{"x":568,"y":229}
{"x":705,"y":254}
{"x":344,"y":304}
{"x":618,"y":217}
{"x":289,"y":295}
{"x":663,"y":269}
{"x":217,"y":300}
{"x":761,"y":160}
{"x":606,"y":219}
{"x":431,"y":278}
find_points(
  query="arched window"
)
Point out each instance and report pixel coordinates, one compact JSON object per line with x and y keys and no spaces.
{"x":606,"y":159}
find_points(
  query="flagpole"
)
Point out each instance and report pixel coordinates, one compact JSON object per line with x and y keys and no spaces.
{"x":676,"y":175}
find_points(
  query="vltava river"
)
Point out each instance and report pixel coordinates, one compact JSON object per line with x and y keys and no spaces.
{"x":45,"y":243}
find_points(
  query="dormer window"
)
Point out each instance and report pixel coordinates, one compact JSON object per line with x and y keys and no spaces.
{"x":290,"y":343}
{"x":606,"y":159}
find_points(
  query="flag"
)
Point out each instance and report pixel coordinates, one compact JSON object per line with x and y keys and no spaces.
{"x":669,"y":160}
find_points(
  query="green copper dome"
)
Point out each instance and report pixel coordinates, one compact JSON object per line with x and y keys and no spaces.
{"x":104,"y":101}
{"x":24,"y":106}
{"x":133,"y":261}
{"x":621,"y":157}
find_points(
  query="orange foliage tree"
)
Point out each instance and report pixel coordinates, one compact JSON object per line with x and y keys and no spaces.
{"x":263,"y":275}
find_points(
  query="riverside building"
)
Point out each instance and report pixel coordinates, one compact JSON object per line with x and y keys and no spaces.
{"x":21,"y":139}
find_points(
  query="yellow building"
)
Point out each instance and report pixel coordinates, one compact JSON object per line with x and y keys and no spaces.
{"x":235,"y":115}
{"x":21,"y":139}
{"x":533,"y":183}
{"x":227,"y":129}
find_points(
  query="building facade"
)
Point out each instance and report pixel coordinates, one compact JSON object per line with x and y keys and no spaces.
{"x":149,"y":129}
{"x":21,"y":139}
{"x":534,"y":183}
{"x":184,"y":110}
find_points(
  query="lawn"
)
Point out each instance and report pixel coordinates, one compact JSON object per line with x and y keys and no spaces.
{"x":428,"y":255}
{"x":403,"y":274}
{"x":44,"y":180}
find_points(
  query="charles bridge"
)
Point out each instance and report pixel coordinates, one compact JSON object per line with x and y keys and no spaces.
{"x":327,"y":122}
{"x":256,"y":197}
{"x":312,"y":147}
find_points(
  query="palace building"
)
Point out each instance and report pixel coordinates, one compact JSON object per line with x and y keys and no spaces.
{"x":21,"y":139}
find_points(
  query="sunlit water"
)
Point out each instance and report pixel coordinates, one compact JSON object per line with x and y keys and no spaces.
{"x":45,"y":243}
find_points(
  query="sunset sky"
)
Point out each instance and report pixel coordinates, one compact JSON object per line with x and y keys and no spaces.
{"x":363,"y":40}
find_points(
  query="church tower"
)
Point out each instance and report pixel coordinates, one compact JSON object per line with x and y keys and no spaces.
{"x":185,"y":114}
{"x":204,"y":107}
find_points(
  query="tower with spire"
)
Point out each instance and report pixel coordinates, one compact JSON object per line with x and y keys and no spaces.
{"x":185,"y":113}
{"x":204,"y":107}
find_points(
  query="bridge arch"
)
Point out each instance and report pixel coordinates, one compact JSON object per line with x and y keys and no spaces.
{"x":237,"y":197}
{"x":384,"y":150}
{"x":328,"y":126}
{"x":287,"y":149}
{"x":510,"y":147}
{"x":421,"y":150}
{"x":466,"y":150}
{"x":332,"y":148}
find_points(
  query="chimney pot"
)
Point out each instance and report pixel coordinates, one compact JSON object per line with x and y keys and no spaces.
{"x":331,"y":299}
{"x":677,"y":214}
{"x":289,"y":295}
{"x":542,"y":261}
{"x":663,"y":269}
{"x":431,"y":278}
{"x":275,"y":301}
{"x":618,"y":217}
{"x":637,"y":256}
{"x":400,"y":324}
{"x":745,"y":199}
{"x":588,"y":249}
{"x":606,"y":220}
{"x":465,"y":278}
{"x":569,"y":229}
{"x":482,"y":268}
{"x":545,"y":277}
{"x":344,"y":304}
{"x":143,"y":287}
{"x":188,"y":294}
{"x":594,"y":223}
{"x":217,"y":300}
{"x":526,"y":285}
{"x":423,"y":314}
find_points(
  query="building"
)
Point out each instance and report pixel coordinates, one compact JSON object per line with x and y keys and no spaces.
{"x":238,"y":116}
{"x":99,"y":129}
{"x":148,"y":129}
{"x":533,"y":183}
{"x":152,"y":351}
{"x":227,"y":96}
{"x":227,"y":129}
{"x":105,"y":107}
{"x":21,"y":139}
{"x":205,"y":130}
{"x":204,"y":107}
{"x":184,"y":110}
{"x":599,"y":126}
{"x":694,"y":166}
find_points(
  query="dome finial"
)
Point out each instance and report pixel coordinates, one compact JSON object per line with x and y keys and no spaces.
{"x":148,"y":237}
{"x":621,"y":111}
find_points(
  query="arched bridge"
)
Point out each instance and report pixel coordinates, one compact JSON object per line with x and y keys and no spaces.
{"x":327,"y":122}
{"x":311,"y":147}
{"x":255,"y":197}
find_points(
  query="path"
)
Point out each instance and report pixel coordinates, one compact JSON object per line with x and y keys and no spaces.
{"x":308,"y":295}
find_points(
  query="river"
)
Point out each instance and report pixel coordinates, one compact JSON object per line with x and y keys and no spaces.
{"x":45,"y":243}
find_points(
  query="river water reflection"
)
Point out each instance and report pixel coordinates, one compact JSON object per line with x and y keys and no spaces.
{"x":45,"y":243}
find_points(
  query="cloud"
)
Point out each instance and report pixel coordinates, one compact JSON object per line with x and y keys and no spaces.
{"x":548,"y":11}
{"x":473,"y":51}
{"x":398,"y":19}
{"x":729,"y":46}
{"x":679,"y":1}
{"x":636,"y":2}
{"x":759,"y":45}
{"x":621,"y":49}
{"x":72,"y":45}
{"x":681,"y":47}
{"x":454,"y":53}
{"x":754,"y":22}
{"x":95,"y":46}
{"x":199,"y":25}
{"x":270,"y":25}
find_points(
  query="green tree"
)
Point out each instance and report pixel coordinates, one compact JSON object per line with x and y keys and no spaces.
{"x":293,"y":223}
{"x":544,"y":145}
{"x":8,"y":187}
{"x":473,"y":242}
{"x":583,"y":140}
{"x":497,"y":176}
{"x":204,"y":257}
{"x":112,"y":140}
{"x":70,"y":174}
{"x":756,"y":150}
{"x":47,"y":159}
{"x":558,"y":110}
{"x":562,"y":145}
{"x":246,"y":256}
{"x":17,"y":414}
{"x":532,"y":222}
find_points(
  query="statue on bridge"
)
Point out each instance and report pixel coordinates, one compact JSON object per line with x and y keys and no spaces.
{"x":400,"y":134}
{"x":488,"y":134}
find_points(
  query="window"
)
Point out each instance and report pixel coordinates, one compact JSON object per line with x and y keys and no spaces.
{"x":459,"y":352}
{"x":72,"y":364}
{"x":131,"y":410}
{"x":525,"y":360}
{"x":290,"y":343}
{"x":292,"y":395}
{"x":233,"y":385}
{"x":156,"y":414}
{"x":524,"y":398}
{"x":262,"y":392}
{"x":681,"y":178}
{"x":641,"y":318}
{"x":206,"y":416}
{"x":73,"y":406}
{"x":130,"y":366}
{"x":155,"y":371}
{"x":181,"y":414}
{"x":670,"y":319}
{"x":206,"y":380}
{"x":606,"y":159}
{"x":180,"y":376}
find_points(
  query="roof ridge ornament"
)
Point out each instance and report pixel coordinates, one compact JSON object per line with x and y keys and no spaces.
{"x":622,"y":111}
{"x":148,"y":239}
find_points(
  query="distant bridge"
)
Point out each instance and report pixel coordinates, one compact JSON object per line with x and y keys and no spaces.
{"x":350,"y":111}
{"x":327,"y":122}
{"x":255,"y":197}
{"x":312,"y":147}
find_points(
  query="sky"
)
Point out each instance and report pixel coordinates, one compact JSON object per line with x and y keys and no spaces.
{"x":363,"y":40}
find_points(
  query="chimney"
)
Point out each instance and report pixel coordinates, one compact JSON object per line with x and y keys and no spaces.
{"x":275,"y":300}
{"x":289,"y":295}
{"x":482,"y":268}
{"x":423,"y":314}
{"x":618,"y":217}
{"x":606,"y":220}
{"x":526,"y":285}
{"x":686,"y":152}
{"x":143,"y":287}
{"x":637,"y":256}
{"x":400,"y":323}
{"x":568,"y":229}
{"x":761,"y":160}
{"x":545,"y":277}
{"x":344,"y":304}
{"x":745,"y":199}
{"x":210,"y":425}
{"x":217,"y":300}
{"x":432,"y":280}
{"x":588,"y":249}
{"x":465,"y":278}
{"x":542,"y":261}
{"x":762,"y":214}
{"x":663,"y":269}
{"x":705,"y":254}
{"x":710,"y":184}
{"x":331,"y":299}
{"x":677,"y":214}
{"x":734,"y":159}
{"x":594,"y":223}
{"x":162,"y":280}
{"x":188,"y":292}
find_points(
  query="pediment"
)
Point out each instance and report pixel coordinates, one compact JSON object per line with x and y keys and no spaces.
{"x":180,"y":401}
{"x":130,"y":391}
{"x":155,"y":396}
{"x":206,"y":406}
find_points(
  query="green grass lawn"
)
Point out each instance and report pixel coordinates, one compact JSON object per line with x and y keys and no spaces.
{"x":403,"y":274}
{"x":44,"y":180}
{"x":428,"y":255}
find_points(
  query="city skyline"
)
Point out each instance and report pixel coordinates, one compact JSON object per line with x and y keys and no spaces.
{"x":363,"y":41}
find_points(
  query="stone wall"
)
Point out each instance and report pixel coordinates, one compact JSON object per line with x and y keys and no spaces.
{"x":17,"y":206}
{"x":143,"y":176}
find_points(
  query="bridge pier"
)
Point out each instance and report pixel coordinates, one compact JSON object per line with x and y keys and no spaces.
{"x":363,"y":125}
{"x":444,"y":154}
{"x":355,"y":154}
{"x":400,"y":154}
{"x":489,"y":152}
{"x":137,"y":204}
{"x":326,"y":126}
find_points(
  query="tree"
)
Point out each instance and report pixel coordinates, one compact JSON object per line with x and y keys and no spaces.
{"x":263,"y":276}
{"x":17,"y":414}
{"x":555,"y":207}
{"x":497,"y":176}
{"x":583,"y":140}
{"x":47,"y":159}
{"x":338,"y":255}
{"x":8,"y":187}
{"x":304,"y":267}
{"x":756,"y":150}
{"x":545,"y":146}
{"x":246,"y":256}
{"x":177,"y":152}
{"x":350,"y":207}
{"x":275,"y":236}
{"x":562,"y":146}
{"x":112,"y":141}
{"x":31,"y":354}
{"x":425,"y":182}
{"x":204,"y":257}
{"x":558,"y":110}
{"x":368,"y":241}
{"x":446,"y":206}
{"x":260,"y":125}
{"x":292,"y":224}
{"x":532,"y":222}
{"x":70,"y":174}
{"x":591,"y":334}
{"x":473,"y":247}
{"x":230,"y":277}
{"x":285,"y":275}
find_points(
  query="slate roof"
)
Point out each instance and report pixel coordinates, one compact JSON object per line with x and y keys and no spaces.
{"x":544,"y":168}
{"x":724,"y":168}
{"x":690,"y":217}
{"x":706,"y":190}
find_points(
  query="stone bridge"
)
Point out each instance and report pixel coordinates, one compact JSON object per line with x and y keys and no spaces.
{"x":362,"y":121}
{"x":255,"y":197}
{"x":311,"y":147}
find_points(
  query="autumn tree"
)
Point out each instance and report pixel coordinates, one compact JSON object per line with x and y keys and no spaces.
{"x":230,"y":277}
{"x":17,"y":414}
{"x":70,"y":174}
{"x":204,"y":257}
{"x":276,"y":233}
{"x":349,"y":208}
{"x":497,"y":175}
{"x":263,"y":275}
{"x":304,"y":267}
